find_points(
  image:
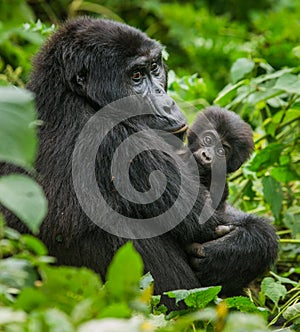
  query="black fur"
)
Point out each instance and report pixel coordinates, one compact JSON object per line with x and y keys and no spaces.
{"x":79,"y":70}
{"x":232,"y":134}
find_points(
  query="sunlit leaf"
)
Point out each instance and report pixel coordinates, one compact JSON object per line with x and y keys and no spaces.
{"x":25,"y":198}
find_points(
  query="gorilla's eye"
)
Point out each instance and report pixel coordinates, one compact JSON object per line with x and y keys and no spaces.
{"x":221,"y":152}
{"x":208,"y":140}
{"x":136,"y":76}
{"x":154,"y":67}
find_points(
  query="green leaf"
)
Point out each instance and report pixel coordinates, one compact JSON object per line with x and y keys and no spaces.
{"x":195,"y":298}
{"x":273,"y":194}
{"x":240,"y":69}
{"x":241,"y":322}
{"x":146,"y":281}
{"x":17,"y":273}
{"x":226,"y":95}
{"x":52,"y":320}
{"x":66,"y":286}
{"x":241,"y":303}
{"x":273,"y":289}
{"x":289,"y":83}
{"x":18,"y":140}
{"x":8,"y":315}
{"x":116,"y":310}
{"x":124,"y":273}
{"x":34,"y":244}
{"x":284,"y":174}
{"x":30,"y":299}
{"x":292,"y":312}
{"x":266,"y":157}
{"x":25,"y":198}
{"x":292,"y":219}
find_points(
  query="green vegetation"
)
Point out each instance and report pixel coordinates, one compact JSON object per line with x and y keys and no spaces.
{"x":242,"y":56}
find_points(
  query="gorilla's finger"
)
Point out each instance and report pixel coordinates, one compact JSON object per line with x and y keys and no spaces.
{"x":222,"y":230}
{"x":195,"y":249}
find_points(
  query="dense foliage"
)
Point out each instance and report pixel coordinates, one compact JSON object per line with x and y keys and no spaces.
{"x":243,"y":57}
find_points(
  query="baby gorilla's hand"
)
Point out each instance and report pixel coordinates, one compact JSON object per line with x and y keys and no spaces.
{"x":197,"y":250}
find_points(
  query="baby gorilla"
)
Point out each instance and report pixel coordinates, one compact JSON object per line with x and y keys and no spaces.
{"x":220,"y":142}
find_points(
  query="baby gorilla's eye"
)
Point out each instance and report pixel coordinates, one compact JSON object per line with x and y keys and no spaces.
{"x":136,"y":76}
{"x":220,"y":152}
{"x":208,"y":140}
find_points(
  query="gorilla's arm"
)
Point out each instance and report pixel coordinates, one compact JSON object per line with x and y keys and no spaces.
{"x":248,"y":248}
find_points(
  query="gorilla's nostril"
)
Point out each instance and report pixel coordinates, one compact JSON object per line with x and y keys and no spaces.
{"x":206,"y":156}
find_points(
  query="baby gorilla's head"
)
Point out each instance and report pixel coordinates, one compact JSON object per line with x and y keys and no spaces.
{"x":218,"y":133}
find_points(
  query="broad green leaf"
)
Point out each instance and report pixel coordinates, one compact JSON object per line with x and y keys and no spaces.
{"x":273,"y":289}
{"x":18,"y":140}
{"x":292,"y":312}
{"x":263,"y":95}
{"x":266,"y":157}
{"x":66,"y":286}
{"x":124,"y":273}
{"x":25,"y":198}
{"x":241,"y":322}
{"x":30,"y":299}
{"x":271,"y":76}
{"x":133,"y":324}
{"x":273,"y":194}
{"x":116,"y":310}
{"x":284,"y":174}
{"x":289,"y":83}
{"x":8,"y":315}
{"x":52,"y":320}
{"x":195,"y":298}
{"x":17,"y":273}
{"x":241,"y":303}
{"x":240,"y":69}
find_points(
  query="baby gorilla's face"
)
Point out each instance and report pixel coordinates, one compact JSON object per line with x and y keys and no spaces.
{"x":209,"y":148}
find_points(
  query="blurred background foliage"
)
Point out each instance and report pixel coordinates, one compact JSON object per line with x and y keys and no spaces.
{"x":243,"y":55}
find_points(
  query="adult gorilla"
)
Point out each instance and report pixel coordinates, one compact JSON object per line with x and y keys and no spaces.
{"x":86,"y":65}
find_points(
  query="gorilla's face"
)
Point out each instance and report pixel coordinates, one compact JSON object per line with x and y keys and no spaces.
{"x":116,"y":62}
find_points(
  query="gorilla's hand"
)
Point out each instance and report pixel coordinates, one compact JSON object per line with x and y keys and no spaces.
{"x":197,"y":250}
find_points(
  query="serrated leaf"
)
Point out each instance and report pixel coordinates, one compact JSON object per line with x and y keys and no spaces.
{"x":25,"y":198}
{"x":195,"y":298}
{"x":273,"y":289}
{"x":124,"y":273}
{"x":273,"y":194}
{"x":18,"y":140}
{"x":240,"y":69}
{"x":241,"y":303}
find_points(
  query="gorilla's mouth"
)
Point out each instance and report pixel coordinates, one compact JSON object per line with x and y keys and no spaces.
{"x":180,"y":130}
